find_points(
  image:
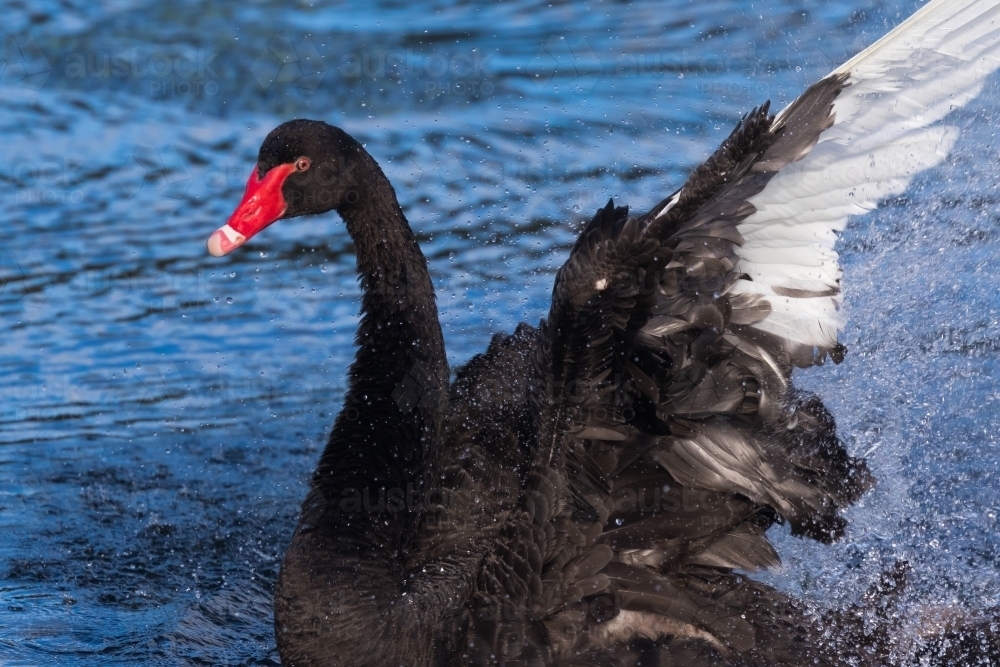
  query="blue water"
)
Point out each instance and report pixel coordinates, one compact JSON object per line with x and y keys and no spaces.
{"x":161,"y":410}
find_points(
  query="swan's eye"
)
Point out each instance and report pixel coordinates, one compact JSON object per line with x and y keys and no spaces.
{"x":303,"y":163}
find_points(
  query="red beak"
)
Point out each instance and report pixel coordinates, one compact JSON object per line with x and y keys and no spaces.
{"x":262,"y":204}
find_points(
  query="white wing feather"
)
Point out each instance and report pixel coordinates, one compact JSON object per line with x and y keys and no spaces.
{"x":882,"y":137}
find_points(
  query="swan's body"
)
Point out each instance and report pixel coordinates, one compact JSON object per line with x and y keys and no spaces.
{"x":584,"y":491}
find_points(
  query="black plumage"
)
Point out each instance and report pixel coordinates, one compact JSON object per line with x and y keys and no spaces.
{"x":594,"y":490}
{"x":587,"y":488}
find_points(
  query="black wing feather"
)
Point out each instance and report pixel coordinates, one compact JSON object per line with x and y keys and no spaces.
{"x":665,"y":437}
{"x":656,"y":439}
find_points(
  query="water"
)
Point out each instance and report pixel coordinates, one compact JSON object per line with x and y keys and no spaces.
{"x":160,"y":410}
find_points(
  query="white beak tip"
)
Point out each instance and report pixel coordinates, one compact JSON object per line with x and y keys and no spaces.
{"x":224,"y":240}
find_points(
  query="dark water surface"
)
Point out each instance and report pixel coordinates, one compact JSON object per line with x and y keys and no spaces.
{"x":160,"y":410}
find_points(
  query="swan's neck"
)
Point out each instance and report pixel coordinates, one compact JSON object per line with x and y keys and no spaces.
{"x":398,"y":383}
{"x":345,"y":569}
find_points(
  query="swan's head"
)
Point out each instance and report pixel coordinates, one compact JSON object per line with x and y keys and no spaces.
{"x":304,"y":166}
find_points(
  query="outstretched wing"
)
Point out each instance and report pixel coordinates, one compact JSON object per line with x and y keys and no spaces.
{"x":665,"y":433}
{"x":883,"y":131}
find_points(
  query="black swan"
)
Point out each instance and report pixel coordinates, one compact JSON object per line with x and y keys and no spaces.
{"x":591,"y":491}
